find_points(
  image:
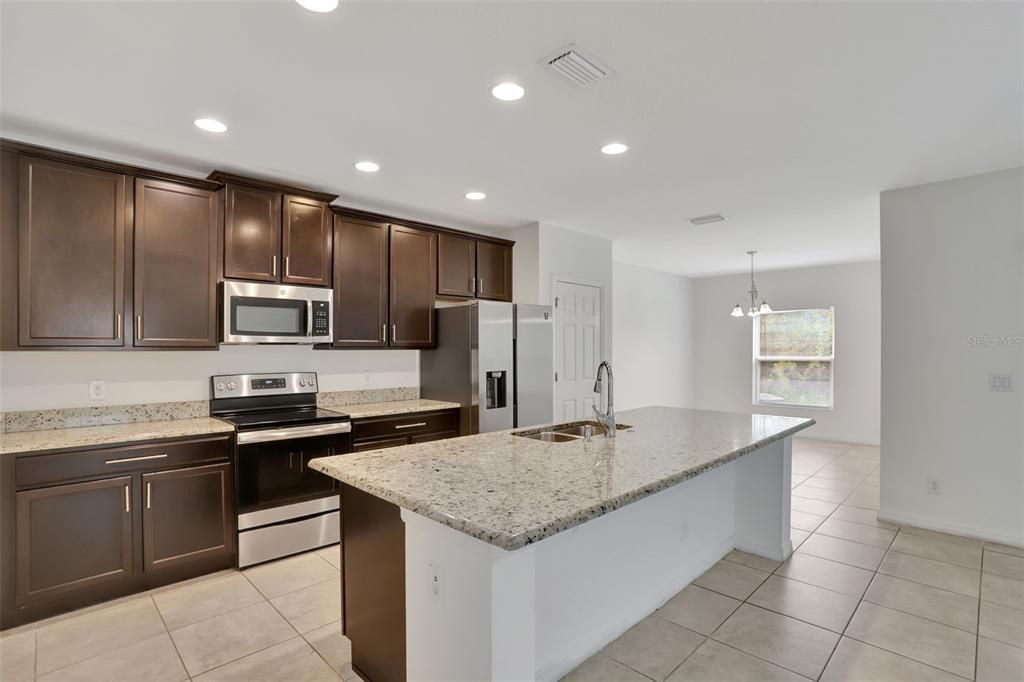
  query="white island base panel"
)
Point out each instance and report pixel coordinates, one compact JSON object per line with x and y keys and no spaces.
{"x":477,"y":612}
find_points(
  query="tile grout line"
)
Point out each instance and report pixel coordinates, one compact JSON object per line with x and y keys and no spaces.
{"x":171,"y":637}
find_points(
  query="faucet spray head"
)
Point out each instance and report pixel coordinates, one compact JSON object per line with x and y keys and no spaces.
{"x":597,"y":386}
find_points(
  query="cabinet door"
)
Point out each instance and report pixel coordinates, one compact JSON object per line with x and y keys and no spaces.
{"x":252,"y":233}
{"x":72,"y":537}
{"x":456,"y":266}
{"x":71,"y":259}
{"x":494,"y":271}
{"x":306,"y":242}
{"x":187,"y":515}
{"x":380,"y":444}
{"x":175,"y":265}
{"x":360,"y":283}
{"x":413,"y":275}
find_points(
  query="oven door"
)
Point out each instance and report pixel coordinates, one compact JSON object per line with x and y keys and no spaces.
{"x":273,"y":465}
{"x":275,"y":313}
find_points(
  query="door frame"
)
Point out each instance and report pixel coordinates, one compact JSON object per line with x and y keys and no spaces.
{"x":569,"y":279}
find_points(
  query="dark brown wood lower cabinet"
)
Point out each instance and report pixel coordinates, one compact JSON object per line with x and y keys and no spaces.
{"x":380,"y":444}
{"x":73,"y":537}
{"x":186,"y":515}
{"x":373,"y":584}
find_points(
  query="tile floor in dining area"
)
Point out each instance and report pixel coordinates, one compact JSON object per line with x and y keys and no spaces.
{"x":858,"y":600}
{"x":275,"y":622}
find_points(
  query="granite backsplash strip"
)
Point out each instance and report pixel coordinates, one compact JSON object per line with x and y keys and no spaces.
{"x":367,"y":395}
{"x":105,"y":415}
{"x":73,"y":417}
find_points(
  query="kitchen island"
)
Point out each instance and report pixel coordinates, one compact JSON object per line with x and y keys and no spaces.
{"x":496,"y":556}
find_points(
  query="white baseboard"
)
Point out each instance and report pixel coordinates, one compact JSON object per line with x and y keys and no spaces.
{"x":778,"y":552}
{"x":901,"y":518}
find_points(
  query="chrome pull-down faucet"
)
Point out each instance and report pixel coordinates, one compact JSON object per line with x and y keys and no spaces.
{"x":607,"y":418}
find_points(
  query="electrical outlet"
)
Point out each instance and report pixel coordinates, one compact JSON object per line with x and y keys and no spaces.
{"x":933,"y":487}
{"x":1000,"y":382}
{"x":97,"y":390}
{"x":436,"y":581}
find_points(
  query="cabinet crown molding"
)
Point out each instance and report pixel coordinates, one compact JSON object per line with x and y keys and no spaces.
{"x":227,"y":178}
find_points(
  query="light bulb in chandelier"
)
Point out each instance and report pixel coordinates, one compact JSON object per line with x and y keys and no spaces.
{"x":765,"y":308}
{"x":737,"y":311}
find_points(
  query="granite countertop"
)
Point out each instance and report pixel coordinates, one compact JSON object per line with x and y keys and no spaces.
{"x":511,"y":491}
{"x":112,"y":434}
{"x":364,"y":410}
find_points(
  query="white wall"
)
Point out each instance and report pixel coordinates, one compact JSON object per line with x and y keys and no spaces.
{"x":723,"y":364}
{"x":31,"y":380}
{"x":545,"y":252}
{"x":653,"y":331}
{"x":953,"y":272}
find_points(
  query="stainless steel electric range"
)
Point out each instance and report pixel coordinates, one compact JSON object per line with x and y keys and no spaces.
{"x":284,"y":507}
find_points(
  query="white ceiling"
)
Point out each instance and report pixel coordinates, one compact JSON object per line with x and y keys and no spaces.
{"x":787,"y":117}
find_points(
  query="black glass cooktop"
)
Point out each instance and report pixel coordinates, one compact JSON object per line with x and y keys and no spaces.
{"x":289,"y":417}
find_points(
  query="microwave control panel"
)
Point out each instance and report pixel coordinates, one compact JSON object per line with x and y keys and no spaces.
{"x":321,"y":318}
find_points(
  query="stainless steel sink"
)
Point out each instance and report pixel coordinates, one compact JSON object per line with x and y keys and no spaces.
{"x":566,"y":433}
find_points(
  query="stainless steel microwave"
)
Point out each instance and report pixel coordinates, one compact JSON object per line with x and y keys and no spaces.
{"x":276,"y":313}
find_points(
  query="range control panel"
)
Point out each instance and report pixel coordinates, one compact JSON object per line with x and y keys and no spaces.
{"x":321,"y":318}
{"x":248,"y":385}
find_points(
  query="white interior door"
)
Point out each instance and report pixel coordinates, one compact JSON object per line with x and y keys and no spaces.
{"x":577,"y":348}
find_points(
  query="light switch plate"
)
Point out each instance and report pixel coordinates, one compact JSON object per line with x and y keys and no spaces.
{"x":1000,"y":382}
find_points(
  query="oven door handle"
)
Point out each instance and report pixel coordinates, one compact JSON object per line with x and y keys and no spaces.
{"x":289,"y":433}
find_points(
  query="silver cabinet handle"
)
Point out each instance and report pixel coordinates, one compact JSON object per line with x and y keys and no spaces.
{"x":394,"y":332}
{"x":290,"y":457}
{"x":117,"y":324}
{"x":410,"y":426}
{"x":301,"y":463}
{"x":127,"y":500}
{"x":135,"y":459}
{"x":383,"y":333}
{"x":149,"y":494}
{"x":472,"y":283}
{"x":267,"y":435}
{"x":481,"y":286}
{"x":138,"y":326}
{"x":273,"y":266}
{"x":287,"y":270}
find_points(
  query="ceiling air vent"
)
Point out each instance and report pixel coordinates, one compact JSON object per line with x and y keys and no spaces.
{"x":578,"y":66}
{"x":708,"y":219}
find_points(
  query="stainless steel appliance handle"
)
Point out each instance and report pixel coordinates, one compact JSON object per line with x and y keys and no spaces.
{"x":309,"y":318}
{"x":410,"y":426}
{"x":293,"y":432}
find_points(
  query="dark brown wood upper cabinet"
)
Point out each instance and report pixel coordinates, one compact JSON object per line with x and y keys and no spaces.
{"x":413,"y":275}
{"x":71,"y":258}
{"x":71,"y":538}
{"x":306,"y":242}
{"x":456,"y":265}
{"x":360,"y":283}
{"x":175,"y":266}
{"x":187,"y":515}
{"x":494,"y":271}
{"x":252,"y":233}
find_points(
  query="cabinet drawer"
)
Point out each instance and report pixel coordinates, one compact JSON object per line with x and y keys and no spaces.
{"x":36,"y":470}
{"x":405,"y":424}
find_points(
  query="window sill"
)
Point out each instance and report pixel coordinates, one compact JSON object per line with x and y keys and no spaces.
{"x":823,"y":408}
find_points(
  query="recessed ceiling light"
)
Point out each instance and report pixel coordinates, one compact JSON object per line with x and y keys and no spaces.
{"x":613,"y":148}
{"x":210,"y":125}
{"x":508,"y":92}
{"x":319,"y":5}
{"x":368,"y":166}
{"x":475,"y":196}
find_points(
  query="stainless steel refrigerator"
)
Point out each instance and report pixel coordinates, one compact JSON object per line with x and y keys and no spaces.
{"x":494,"y":359}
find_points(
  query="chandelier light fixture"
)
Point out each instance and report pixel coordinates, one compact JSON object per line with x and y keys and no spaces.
{"x":754,"y":308}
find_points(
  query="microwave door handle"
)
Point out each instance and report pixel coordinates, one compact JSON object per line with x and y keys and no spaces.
{"x":309,"y":318}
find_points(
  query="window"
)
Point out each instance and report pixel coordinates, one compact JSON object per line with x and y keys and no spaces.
{"x":793,"y":355}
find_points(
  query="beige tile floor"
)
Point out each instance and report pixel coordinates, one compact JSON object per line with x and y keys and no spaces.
{"x":275,"y":622}
{"x":860,"y":599}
